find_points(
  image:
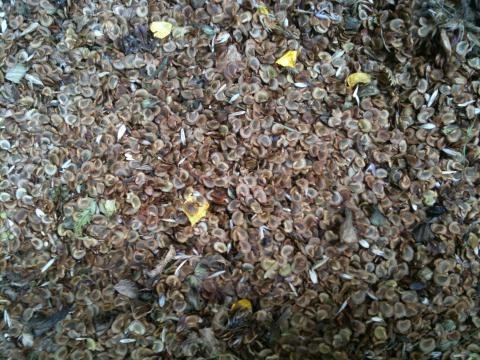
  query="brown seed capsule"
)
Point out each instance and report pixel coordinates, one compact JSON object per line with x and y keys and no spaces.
{"x":403,"y":326}
{"x":427,"y":345}
{"x":399,"y":310}
{"x":358,"y":297}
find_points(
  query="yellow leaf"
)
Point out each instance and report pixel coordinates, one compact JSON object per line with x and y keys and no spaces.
{"x":242,"y":304}
{"x":288,"y":60}
{"x":358,"y":78}
{"x":195,"y":207}
{"x":161,"y":29}
{"x":262,"y":9}
{"x":93,"y":345}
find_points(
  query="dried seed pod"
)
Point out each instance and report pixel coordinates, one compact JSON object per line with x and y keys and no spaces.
{"x":380,"y":333}
{"x":403,"y":326}
{"x":299,"y":263}
{"x":427,"y":345}
{"x":220,"y":247}
{"x":358,"y":297}
{"x":387,"y":310}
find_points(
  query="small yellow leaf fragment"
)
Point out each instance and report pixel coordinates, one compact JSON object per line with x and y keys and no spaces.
{"x":242,"y":304}
{"x":195,"y":207}
{"x":358,"y":78}
{"x":161,"y":29}
{"x":92,"y":345}
{"x":263,"y":10}
{"x":288,"y":60}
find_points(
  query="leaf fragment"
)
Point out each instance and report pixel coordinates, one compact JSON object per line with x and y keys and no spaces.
{"x":358,"y":78}
{"x":300,"y":85}
{"x":32,"y":27}
{"x":15,"y":74}
{"x":121,"y":131}
{"x":41,"y":323}
{"x":242,"y":304}
{"x":313,"y":276}
{"x":127,"y":341}
{"x":195,"y":207}
{"x":432,"y":98}
{"x":364,"y":243}
{"x":377,"y":218}
{"x":48,"y":265}
{"x":452,"y":153}
{"x":436,"y":210}
{"x":422,"y":233}
{"x":183,"y":138}
{"x":342,"y":307}
{"x":3,"y":25}
{"x":355,"y":96}
{"x":428,"y":126}
{"x":92,"y":345}
{"x":161,"y":29}
{"x":288,"y":60}
{"x":7,"y":319}
{"x":263,"y":10}
{"x":222,"y":38}
{"x":347,"y":232}
{"x":445,"y":42}
{"x":466,"y":103}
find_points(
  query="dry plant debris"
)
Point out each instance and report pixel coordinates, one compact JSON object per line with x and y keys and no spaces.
{"x":236,"y":179}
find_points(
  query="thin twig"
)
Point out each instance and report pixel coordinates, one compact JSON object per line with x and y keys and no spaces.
{"x":300,"y":11}
{"x":383,"y":39}
{"x":161,"y":265}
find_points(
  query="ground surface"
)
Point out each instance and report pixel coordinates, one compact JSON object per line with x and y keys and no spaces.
{"x":293,"y":180}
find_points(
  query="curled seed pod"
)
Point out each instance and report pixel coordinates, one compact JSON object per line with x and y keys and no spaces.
{"x":427,"y":345}
{"x":403,"y":326}
{"x":220,"y":247}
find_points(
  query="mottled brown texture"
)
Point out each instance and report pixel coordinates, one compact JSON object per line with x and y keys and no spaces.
{"x":348,"y":218}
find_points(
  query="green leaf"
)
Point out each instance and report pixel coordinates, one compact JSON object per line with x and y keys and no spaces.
{"x":92,"y":345}
{"x":84,"y":218}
